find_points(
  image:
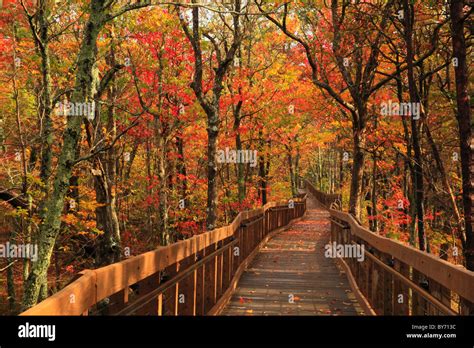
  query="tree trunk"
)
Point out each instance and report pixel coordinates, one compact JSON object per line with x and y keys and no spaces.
{"x":238,"y":145}
{"x":446,"y":184}
{"x":51,"y":216}
{"x":212,"y":106}
{"x":212,"y":133}
{"x":262,"y":173}
{"x":163,"y":228}
{"x":465,"y":124}
{"x":182,"y":167}
{"x":414,"y":98}
{"x":107,"y":221}
{"x":374,"y":223}
{"x":357,"y":168}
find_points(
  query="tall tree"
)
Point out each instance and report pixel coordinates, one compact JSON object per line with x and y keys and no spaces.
{"x":458,"y":18}
{"x":100,"y":13}
{"x":224,"y":55}
{"x":415,"y":138}
{"x":358,"y":74}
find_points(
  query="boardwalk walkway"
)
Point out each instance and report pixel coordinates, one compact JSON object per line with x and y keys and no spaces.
{"x":291,"y":276}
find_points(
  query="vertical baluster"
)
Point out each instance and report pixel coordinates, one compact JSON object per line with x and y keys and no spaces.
{"x":219,"y":272}
{"x":401,"y":293}
{"x":226,"y":267}
{"x":185,"y":298}
{"x":210,"y":281}
{"x":419,"y":305}
{"x":200,"y":280}
{"x":387,"y":287}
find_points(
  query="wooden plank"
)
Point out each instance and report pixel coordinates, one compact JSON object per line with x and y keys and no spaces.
{"x":223,"y":301}
{"x":291,"y":276}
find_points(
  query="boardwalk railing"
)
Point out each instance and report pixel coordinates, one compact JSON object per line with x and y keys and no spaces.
{"x":397,"y":279}
{"x":328,"y":200}
{"x":186,"y":278}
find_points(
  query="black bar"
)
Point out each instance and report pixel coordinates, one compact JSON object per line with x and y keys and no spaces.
{"x":329,"y":330}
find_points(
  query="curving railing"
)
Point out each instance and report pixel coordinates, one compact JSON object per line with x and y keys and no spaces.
{"x":397,"y":279}
{"x":191,"y":277}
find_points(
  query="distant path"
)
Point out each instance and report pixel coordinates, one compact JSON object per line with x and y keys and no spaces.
{"x":291,"y":267}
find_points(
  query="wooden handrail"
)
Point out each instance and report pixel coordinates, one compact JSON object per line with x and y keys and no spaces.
{"x":389,"y":259}
{"x":413,"y":286}
{"x":455,"y":277}
{"x":172,"y":282}
{"x":116,"y":280}
{"x":326,"y":199}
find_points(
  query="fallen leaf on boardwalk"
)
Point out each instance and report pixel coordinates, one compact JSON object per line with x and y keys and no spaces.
{"x":347,"y":303}
{"x":241,"y":300}
{"x":249,"y":311}
{"x":296,"y":298}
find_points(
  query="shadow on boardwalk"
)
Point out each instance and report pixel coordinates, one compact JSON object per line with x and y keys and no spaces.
{"x":291,"y":276}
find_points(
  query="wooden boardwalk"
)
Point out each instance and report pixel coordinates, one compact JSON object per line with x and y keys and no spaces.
{"x":291,"y":275}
